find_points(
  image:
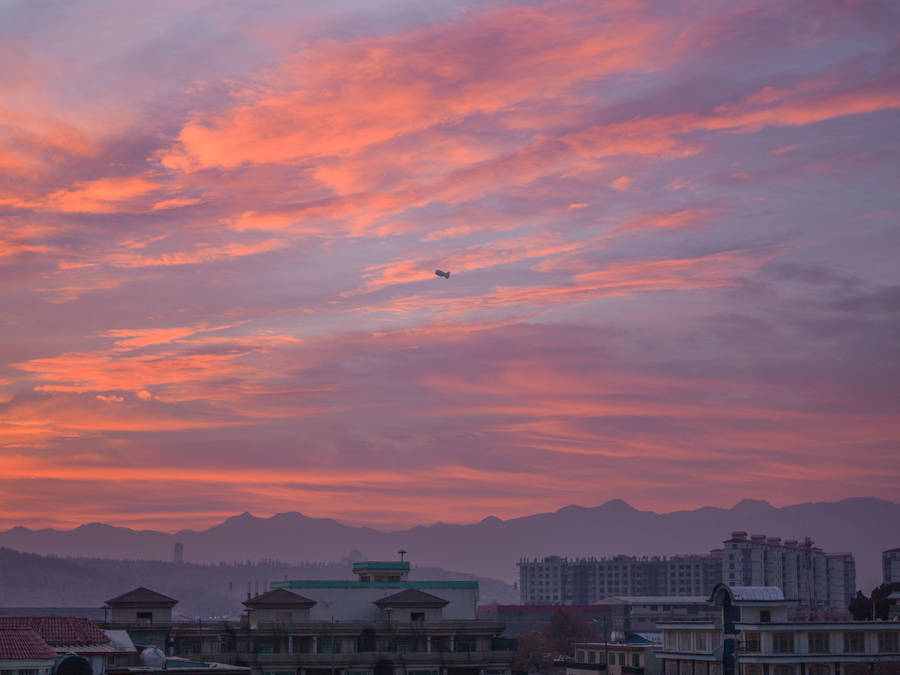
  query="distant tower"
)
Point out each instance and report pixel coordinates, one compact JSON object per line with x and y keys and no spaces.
{"x":178,"y":556}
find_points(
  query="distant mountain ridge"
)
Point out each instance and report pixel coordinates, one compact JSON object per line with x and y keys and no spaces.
{"x":863,"y":526}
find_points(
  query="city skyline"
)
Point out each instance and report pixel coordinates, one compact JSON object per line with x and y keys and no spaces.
{"x":671,"y":231}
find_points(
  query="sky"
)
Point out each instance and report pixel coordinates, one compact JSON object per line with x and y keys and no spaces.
{"x":672,"y":231}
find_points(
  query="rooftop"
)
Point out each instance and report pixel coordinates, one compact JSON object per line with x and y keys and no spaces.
{"x":279,"y":597}
{"x":656,"y":599}
{"x":23,"y":644}
{"x":756,"y":593}
{"x":381,"y":565}
{"x":344,"y":583}
{"x":58,"y":630}
{"x":412,"y":597}
{"x":141,"y":595}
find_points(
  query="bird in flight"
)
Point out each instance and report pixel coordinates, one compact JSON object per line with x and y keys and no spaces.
{"x":441,"y":273}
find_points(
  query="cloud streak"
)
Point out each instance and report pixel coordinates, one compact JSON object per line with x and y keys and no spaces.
{"x":673,"y":258}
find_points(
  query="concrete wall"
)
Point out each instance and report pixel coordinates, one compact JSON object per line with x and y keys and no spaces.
{"x":345,"y":604}
{"x":130,"y":614}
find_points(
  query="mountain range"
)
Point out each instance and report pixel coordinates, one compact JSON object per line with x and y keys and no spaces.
{"x":863,"y":526}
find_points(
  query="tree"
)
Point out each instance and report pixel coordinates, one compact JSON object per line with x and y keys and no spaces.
{"x":538,"y":649}
{"x":861,"y":606}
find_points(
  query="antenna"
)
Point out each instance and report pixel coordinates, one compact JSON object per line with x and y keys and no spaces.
{"x":402,"y":553}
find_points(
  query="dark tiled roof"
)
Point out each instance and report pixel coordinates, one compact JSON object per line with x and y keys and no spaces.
{"x":142,"y":595}
{"x":58,"y":630}
{"x":281,"y":598}
{"x":19,"y":644}
{"x":412,"y":597}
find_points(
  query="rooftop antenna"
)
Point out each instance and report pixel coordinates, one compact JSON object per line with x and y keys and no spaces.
{"x":402,"y":553}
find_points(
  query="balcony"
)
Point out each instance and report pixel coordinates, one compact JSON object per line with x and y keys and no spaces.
{"x":436,"y":659}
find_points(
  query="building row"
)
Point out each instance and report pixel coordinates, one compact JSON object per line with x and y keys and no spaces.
{"x":582,"y":581}
{"x":751,"y":633}
{"x":379,"y":624}
{"x":805,"y":573}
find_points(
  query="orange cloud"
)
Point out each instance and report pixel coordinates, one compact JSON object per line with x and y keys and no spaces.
{"x":104,"y":195}
{"x":200,"y":255}
{"x":335,"y":99}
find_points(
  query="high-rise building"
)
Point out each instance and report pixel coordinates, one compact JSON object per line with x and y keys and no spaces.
{"x":890,"y":561}
{"x":555,"y":580}
{"x":178,"y":555}
{"x":804,"y":572}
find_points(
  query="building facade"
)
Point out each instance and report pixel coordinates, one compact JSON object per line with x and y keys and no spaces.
{"x":753,"y":635}
{"x":381,"y":624}
{"x":631,"y":654}
{"x":556,"y":580}
{"x":804,"y":572}
{"x":890,"y":564}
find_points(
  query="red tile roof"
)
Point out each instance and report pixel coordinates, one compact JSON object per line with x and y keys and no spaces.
{"x":23,"y":644}
{"x":58,"y":630}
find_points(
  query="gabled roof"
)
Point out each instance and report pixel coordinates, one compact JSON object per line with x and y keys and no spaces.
{"x":279,"y":598}
{"x":142,"y":596}
{"x":412,"y":597}
{"x":58,"y":630}
{"x":23,"y":644}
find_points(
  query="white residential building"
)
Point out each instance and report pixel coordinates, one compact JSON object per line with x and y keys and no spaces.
{"x":804,"y":572}
{"x":890,"y":560}
{"x":753,"y":636}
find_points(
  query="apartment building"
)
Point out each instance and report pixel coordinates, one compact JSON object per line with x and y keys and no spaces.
{"x":555,"y":580}
{"x":753,"y":635}
{"x":890,"y":563}
{"x":379,"y":624}
{"x":804,"y":572}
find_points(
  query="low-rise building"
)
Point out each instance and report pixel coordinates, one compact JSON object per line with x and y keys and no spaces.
{"x":521,"y":619}
{"x":635,"y":613}
{"x":68,"y":635}
{"x":380,"y":624}
{"x":24,"y":652}
{"x":624,"y":654}
{"x":753,"y":635}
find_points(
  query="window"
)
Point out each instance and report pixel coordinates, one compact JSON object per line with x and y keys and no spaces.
{"x":854,"y":643}
{"x":751,"y":643}
{"x":284,"y":617}
{"x":579,"y":656}
{"x":888,"y":642}
{"x":818,"y":643}
{"x":670,"y":640}
{"x":417,"y":616}
{"x":765,"y":616}
{"x":592,"y":656}
{"x":700,"y":643}
{"x":784,"y":670}
{"x":636,"y":660}
{"x":145,"y":616}
{"x":684,"y":641}
{"x":783,"y":643}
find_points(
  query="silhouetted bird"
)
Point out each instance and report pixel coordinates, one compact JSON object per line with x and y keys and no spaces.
{"x":446,"y":275}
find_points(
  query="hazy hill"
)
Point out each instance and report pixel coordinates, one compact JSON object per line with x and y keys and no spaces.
{"x":490,"y":548}
{"x":30,"y":580}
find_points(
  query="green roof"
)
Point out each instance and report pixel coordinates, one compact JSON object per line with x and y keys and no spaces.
{"x":374,"y":584}
{"x":378,"y":565}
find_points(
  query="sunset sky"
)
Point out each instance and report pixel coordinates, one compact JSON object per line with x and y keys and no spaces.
{"x":673,"y":230}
